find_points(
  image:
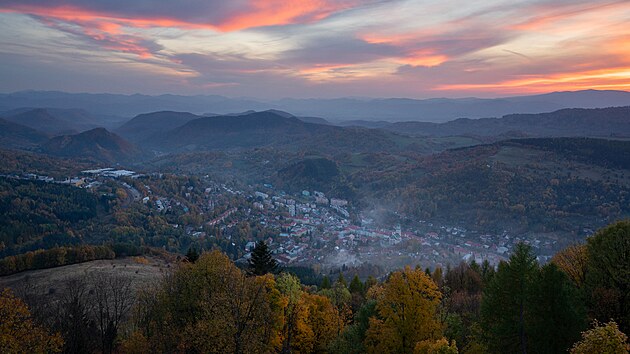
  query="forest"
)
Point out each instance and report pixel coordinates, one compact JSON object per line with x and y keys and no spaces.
{"x":577,"y":303}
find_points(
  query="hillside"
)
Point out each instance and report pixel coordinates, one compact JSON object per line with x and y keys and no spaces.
{"x":96,"y":144}
{"x":145,"y":126}
{"x":535,"y":185}
{"x":17,"y":136}
{"x":600,"y":122}
{"x":312,"y":173}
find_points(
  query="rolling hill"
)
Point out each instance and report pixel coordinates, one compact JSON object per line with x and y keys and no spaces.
{"x":272,"y":128}
{"x":96,"y":144}
{"x":146,"y":126}
{"x":17,"y":136}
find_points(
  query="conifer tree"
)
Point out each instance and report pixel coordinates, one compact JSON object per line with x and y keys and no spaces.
{"x":325,"y":283}
{"x":192,"y":255}
{"x":261,"y":261}
{"x":356,"y":286}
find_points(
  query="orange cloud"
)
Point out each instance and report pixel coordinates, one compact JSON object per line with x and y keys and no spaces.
{"x":258,"y":13}
{"x":282,"y":12}
{"x":604,"y":79}
{"x":424,"y":57}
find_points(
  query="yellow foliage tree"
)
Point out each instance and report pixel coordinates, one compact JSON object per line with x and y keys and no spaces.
{"x":440,"y":346}
{"x":406,"y":313}
{"x":573,"y":261}
{"x":324,"y":320}
{"x":603,"y":338}
{"x":211,"y":306}
{"x":18,"y":333}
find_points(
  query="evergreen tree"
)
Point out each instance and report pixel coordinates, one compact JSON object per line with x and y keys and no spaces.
{"x":505,"y":305}
{"x":526,"y":308}
{"x":608,"y":274}
{"x":341,"y":280}
{"x":325,"y":283}
{"x":261,"y":261}
{"x":356,"y":286}
{"x":192,"y":255}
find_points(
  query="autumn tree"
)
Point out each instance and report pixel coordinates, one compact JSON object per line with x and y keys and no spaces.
{"x":18,"y":333}
{"x":602,"y":338}
{"x":406,"y":313}
{"x":573,"y":260}
{"x":211,"y":306}
{"x":261,"y":261}
{"x":294,"y":326}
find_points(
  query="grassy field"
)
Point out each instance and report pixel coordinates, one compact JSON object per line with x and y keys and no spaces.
{"x":143,"y":272}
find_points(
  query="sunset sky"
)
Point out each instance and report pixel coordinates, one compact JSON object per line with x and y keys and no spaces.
{"x":315,"y":48}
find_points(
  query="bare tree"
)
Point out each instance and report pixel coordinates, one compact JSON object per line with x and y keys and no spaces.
{"x":113,"y":298}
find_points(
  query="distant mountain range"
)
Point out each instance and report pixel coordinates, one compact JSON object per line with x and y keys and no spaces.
{"x":175,"y":132}
{"x":341,"y":109}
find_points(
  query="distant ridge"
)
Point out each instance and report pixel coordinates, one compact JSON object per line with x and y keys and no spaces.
{"x":17,"y":136}
{"x":597,"y":122}
{"x":41,"y":119}
{"x":338,"y":109}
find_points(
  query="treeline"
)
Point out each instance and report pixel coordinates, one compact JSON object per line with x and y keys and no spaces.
{"x":66,"y":255}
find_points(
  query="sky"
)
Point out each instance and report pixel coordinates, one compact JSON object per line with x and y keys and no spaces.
{"x":315,"y":48}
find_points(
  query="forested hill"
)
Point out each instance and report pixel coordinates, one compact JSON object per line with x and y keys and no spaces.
{"x":530,"y":185}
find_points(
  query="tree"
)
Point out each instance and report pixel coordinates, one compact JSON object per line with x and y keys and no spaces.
{"x":18,"y":332}
{"x":505,"y":303}
{"x":325,"y":283}
{"x":211,"y":306}
{"x":406,"y":313}
{"x":558,"y":314}
{"x":608,"y":274}
{"x":440,"y":346}
{"x":261,"y":261}
{"x":526,"y":308}
{"x":113,"y":298}
{"x":356,"y":286}
{"x":291,"y":288}
{"x":573,"y":260}
{"x":192,"y":255}
{"x":602,"y":338}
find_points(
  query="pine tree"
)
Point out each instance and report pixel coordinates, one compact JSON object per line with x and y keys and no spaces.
{"x":261,"y":261}
{"x":356,"y":286}
{"x":325,"y":283}
{"x":192,"y":255}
